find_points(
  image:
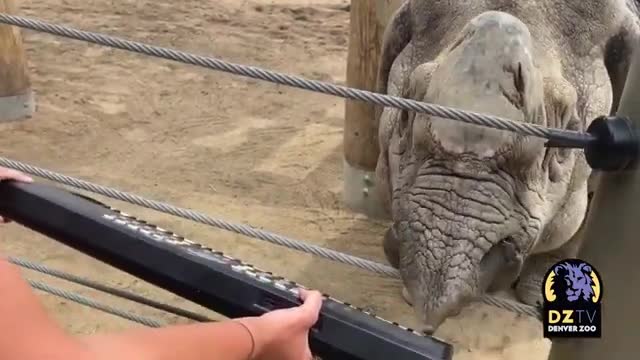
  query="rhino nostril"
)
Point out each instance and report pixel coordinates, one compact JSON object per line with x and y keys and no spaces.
{"x":509,"y":249}
{"x":391,"y":247}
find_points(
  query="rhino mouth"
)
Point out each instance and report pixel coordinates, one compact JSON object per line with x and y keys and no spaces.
{"x":459,"y":235}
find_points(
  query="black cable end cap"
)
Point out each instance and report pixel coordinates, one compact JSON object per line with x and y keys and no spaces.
{"x":616,"y":146}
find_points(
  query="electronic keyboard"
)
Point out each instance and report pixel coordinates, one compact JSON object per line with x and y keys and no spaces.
{"x":205,"y":276}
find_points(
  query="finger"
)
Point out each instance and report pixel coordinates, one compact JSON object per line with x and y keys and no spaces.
{"x":10,"y":174}
{"x":312,"y":303}
{"x":303,"y":293}
{"x":6,"y":173}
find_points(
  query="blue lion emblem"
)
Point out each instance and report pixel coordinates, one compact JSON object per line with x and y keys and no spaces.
{"x":576,"y":281}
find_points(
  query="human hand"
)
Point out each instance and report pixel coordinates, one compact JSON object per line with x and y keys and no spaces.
{"x":10,"y":174}
{"x":284,"y":334}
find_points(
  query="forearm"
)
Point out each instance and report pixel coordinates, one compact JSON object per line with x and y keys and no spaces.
{"x":202,"y":341}
{"x":28,"y":332}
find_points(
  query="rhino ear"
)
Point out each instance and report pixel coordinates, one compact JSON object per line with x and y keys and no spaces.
{"x":396,"y":37}
{"x":618,"y":53}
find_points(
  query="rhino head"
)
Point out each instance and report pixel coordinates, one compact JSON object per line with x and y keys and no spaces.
{"x":476,"y":209}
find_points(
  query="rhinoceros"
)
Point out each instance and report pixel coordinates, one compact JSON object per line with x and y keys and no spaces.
{"x":475,"y":210}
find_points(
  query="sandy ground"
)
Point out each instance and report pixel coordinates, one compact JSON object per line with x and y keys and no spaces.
{"x":238,"y":149}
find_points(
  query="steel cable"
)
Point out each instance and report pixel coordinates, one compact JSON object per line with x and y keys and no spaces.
{"x":557,"y":137}
{"x":107,"y":289}
{"x":203,"y":218}
{"x":93,"y":304}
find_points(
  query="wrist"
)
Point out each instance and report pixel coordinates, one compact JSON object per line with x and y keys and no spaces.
{"x":257,"y":340}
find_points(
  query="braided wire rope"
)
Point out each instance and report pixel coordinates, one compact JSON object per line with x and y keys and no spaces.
{"x":557,"y":137}
{"x":107,"y":289}
{"x":245,"y":230}
{"x":242,"y":229}
{"x":93,"y":304}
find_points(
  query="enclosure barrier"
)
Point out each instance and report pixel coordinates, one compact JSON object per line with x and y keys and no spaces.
{"x":609,"y":143}
{"x":555,"y":136}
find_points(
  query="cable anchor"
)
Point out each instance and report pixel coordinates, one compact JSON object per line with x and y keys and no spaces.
{"x":616,"y":144}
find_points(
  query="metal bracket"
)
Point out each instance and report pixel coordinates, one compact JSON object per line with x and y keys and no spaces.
{"x":18,"y":107}
{"x":360,"y":193}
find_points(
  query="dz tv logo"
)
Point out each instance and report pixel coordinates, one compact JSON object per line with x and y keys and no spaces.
{"x":572,"y":292}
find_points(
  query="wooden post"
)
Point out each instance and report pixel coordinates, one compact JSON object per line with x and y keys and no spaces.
{"x":368,"y":21}
{"x":16,"y":97}
{"x":612,"y":246}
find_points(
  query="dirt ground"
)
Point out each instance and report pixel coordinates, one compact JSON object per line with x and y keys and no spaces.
{"x":237,"y":149}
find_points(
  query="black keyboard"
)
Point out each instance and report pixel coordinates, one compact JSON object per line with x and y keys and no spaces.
{"x":205,"y":276}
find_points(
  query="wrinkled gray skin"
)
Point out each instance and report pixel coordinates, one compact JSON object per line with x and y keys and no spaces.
{"x":475,"y":209}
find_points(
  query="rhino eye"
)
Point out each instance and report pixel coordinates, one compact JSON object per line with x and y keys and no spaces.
{"x":403,"y":124}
